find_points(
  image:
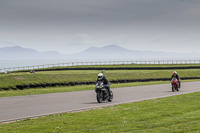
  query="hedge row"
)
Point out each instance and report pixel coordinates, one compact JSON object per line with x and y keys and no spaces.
{"x":44,"y":85}
{"x":119,"y":68}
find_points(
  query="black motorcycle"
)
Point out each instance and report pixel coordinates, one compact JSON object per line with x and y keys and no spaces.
{"x":102,"y":92}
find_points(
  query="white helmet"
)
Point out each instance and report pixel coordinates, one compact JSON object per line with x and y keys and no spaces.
{"x":100,"y":76}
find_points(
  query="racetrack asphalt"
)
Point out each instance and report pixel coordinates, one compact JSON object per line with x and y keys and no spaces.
{"x":22,"y":107}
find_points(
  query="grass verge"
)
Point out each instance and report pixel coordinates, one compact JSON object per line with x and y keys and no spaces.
{"x":13,"y":79}
{"x":67,"y":89}
{"x":171,"y":114}
{"x":74,"y":88}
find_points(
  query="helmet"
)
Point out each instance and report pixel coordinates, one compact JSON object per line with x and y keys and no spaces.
{"x":174,"y":73}
{"x":100,"y":76}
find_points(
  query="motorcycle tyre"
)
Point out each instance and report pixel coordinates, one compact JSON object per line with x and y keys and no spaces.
{"x":173,"y":88}
{"x":99,"y":97}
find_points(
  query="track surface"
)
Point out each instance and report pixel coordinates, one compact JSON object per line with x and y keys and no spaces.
{"x":21,"y":107}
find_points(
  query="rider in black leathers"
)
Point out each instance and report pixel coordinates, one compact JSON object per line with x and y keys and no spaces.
{"x":175,"y":75}
{"x":105,"y":81}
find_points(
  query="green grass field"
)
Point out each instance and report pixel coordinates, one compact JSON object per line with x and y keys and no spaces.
{"x":172,"y":114}
{"x":23,"y":78}
{"x":13,"y":79}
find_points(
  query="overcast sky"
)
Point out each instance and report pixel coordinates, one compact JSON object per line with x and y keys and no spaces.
{"x":71,"y":26}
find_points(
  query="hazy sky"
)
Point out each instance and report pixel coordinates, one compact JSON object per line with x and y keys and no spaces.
{"x":70,"y":26}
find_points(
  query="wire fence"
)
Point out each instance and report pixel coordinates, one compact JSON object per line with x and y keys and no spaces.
{"x":7,"y":70}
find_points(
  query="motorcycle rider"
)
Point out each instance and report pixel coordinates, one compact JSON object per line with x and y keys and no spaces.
{"x":105,"y":81}
{"x":175,"y":75}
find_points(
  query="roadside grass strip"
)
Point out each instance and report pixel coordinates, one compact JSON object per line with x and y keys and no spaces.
{"x":34,"y":91}
{"x":171,"y":114}
{"x":10,"y":81}
{"x":68,"y":89}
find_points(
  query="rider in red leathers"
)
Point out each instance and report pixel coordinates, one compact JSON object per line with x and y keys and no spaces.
{"x":175,"y":75}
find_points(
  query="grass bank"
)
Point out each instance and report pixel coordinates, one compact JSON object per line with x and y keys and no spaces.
{"x":171,"y":114}
{"x":9,"y":93}
{"x":68,"y":89}
{"x":13,"y":79}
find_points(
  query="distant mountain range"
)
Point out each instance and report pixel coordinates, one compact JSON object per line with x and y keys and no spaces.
{"x":17,"y":52}
{"x":110,"y":52}
{"x":116,"y":52}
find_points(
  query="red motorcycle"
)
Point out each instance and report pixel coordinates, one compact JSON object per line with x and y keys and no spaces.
{"x":175,"y":84}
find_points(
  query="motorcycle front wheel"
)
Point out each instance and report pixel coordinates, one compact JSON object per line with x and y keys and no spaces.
{"x":173,"y":88}
{"x":99,"y":97}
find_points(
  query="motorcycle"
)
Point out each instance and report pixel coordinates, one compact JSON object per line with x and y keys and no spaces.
{"x":175,"y":84}
{"x":102,"y":92}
